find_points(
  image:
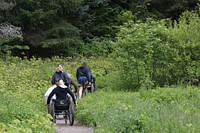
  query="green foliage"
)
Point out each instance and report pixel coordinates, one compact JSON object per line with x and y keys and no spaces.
{"x":42,"y":21}
{"x":23,"y":84}
{"x":173,"y":109}
{"x":146,"y":55}
{"x":150,"y":54}
{"x":98,"y":14}
{"x":187,"y":32}
{"x":62,"y":40}
{"x":43,"y":14}
{"x":98,"y":47}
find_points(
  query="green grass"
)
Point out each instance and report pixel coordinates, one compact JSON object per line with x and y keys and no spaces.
{"x":174,"y":110}
{"x":162,"y":110}
{"x":22,"y":87}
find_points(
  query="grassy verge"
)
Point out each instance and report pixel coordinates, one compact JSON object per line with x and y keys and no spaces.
{"x":24,"y":82}
{"x":161,"y":110}
{"x":22,"y":87}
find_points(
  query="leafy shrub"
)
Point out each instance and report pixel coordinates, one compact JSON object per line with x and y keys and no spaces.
{"x":98,"y":47}
{"x":151,"y":54}
{"x":186,"y":31}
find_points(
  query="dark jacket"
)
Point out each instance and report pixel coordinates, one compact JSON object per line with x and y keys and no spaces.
{"x":83,"y":71}
{"x":60,"y":75}
{"x":61,"y":94}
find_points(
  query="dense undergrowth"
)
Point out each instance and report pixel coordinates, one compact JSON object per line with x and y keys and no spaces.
{"x":161,"y":110}
{"x":24,"y":82}
{"x":22,"y":87}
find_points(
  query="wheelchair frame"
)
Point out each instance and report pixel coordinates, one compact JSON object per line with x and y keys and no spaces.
{"x":62,"y":108}
{"x":88,"y":89}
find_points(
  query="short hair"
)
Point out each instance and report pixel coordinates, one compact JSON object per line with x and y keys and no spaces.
{"x":84,"y":64}
{"x":58,"y":79}
{"x":60,"y":65}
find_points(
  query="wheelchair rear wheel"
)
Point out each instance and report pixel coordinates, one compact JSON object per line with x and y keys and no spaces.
{"x":53,"y":113}
{"x":71,"y":114}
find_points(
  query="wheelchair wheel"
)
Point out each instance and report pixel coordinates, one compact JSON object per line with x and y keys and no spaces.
{"x":53,"y":113}
{"x":71,"y":114}
{"x":66,"y":117}
{"x":85,"y":91}
{"x":92,"y":89}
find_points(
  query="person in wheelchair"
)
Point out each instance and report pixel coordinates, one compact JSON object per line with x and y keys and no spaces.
{"x":60,"y":74}
{"x":61,"y":92}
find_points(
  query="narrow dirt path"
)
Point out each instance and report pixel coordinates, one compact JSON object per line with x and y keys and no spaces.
{"x":61,"y":127}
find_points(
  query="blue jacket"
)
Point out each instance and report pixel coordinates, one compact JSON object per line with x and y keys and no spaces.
{"x":83,"y":71}
{"x":60,"y":75}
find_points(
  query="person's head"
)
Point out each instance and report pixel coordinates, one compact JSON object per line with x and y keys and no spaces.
{"x":59,"y":68}
{"x":83,"y":64}
{"x":59,"y":82}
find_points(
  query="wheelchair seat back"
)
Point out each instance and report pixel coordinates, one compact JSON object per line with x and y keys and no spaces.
{"x":61,"y":104}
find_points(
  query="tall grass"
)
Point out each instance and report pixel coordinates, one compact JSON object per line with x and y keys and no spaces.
{"x":22,"y":87}
{"x":24,"y":82}
{"x":157,"y":111}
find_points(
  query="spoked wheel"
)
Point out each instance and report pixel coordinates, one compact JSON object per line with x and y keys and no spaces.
{"x":92,"y":88}
{"x":65,"y":116}
{"x":85,"y":91}
{"x":53,"y":113}
{"x":71,"y":114}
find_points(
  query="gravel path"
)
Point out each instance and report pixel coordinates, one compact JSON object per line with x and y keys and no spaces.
{"x":61,"y":127}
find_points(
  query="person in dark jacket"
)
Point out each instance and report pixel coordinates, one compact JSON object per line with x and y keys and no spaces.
{"x":83,"y":76}
{"x":60,"y":74}
{"x":61,"y":92}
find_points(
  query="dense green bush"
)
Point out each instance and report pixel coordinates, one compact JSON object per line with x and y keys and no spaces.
{"x":23,"y":84}
{"x":98,"y":47}
{"x":154,"y":54}
{"x":187,"y":32}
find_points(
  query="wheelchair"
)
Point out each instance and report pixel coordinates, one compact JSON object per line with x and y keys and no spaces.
{"x":62,"y":109}
{"x":88,"y":88}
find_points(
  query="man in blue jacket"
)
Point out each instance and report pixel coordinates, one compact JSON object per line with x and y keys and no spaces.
{"x":60,"y":74}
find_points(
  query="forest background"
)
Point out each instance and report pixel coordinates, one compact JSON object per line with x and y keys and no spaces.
{"x":134,"y":47}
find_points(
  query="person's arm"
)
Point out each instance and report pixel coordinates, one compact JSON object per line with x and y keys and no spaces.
{"x":88,"y":75}
{"x":67,"y":78}
{"x":74,"y":84}
{"x":77,"y":74}
{"x":71,"y":94}
{"x":49,"y":90}
{"x":50,"y":96}
{"x":53,"y":80}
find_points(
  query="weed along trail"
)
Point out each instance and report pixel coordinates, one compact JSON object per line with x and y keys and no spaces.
{"x":61,"y":127}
